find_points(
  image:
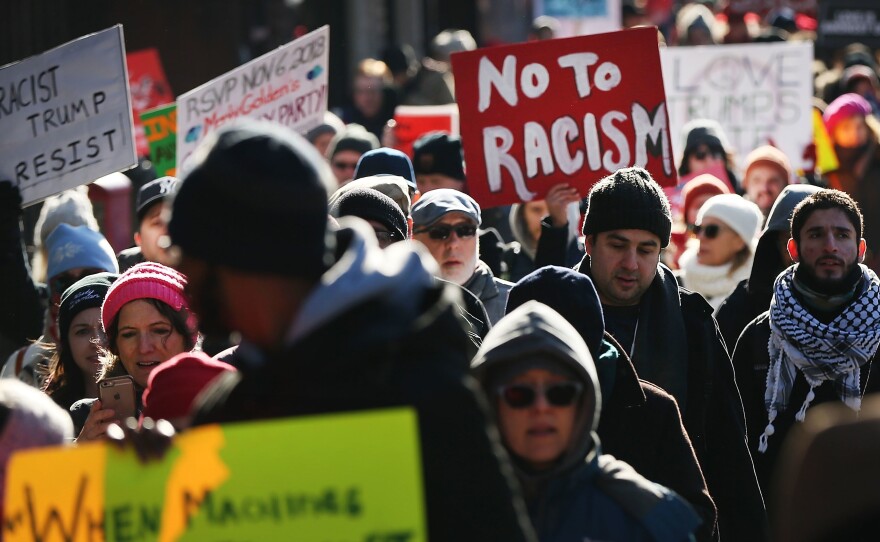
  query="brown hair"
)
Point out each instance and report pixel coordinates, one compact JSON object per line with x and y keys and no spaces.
{"x":110,"y":363}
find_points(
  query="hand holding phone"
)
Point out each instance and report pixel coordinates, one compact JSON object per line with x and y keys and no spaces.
{"x":117,"y":393}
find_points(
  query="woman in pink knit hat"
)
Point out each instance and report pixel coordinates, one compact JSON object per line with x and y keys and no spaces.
{"x":855,"y":133}
{"x":147,"y":320}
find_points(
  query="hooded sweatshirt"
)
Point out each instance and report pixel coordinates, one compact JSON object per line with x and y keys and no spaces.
{"x":585,"y":494}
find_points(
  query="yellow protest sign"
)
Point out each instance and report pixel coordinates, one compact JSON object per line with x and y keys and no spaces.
{"x":355,"y":476}
{"x":826,"y":158}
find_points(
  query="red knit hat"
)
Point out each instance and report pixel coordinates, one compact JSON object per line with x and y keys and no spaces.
{"x":148,"y":280}
{"x":698,"y":186}
{"x":174,"y":385}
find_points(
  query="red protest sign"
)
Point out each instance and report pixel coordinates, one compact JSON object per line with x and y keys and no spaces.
{"x":567,"y":110}
{"x":414,"y":121}
{"x":149,"y":89}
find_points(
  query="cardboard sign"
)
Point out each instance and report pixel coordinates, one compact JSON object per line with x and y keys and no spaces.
{"x":760,"y":94}
{"x":561,"y":111}
{"x":581,"y":17}
{"x":160,"y":132}
{"x":65,"y":116}
{"x":414,"y":121}
{"x":842,"y":22}
{"x":149,"y":89}
{"x":352,"y":476}
{"x":287,"y":86}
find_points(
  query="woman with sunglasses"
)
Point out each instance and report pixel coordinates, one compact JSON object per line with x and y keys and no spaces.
{"x":722,"y":253}
{"x":541,"y":381}
{"x":146,"y":319}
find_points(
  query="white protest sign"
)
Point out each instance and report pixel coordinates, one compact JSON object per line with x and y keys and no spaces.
{"x":760,"y":93}
{"x":287,"y":86}
{"x":65,"y":116}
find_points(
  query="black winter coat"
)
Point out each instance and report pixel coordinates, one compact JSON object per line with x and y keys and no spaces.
{"x":712,"y":412}
{"x":751,"y":360}
{"x":642,"y":426}
{"x":369,"y":358}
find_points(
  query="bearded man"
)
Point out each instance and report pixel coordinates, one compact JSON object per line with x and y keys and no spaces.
{"x":820,"y":336}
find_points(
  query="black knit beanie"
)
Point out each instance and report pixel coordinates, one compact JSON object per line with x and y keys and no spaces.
{"x":629,"y":200}
{"x":86,"y":293}
{"x":255,"y":199}
{"x":371,"y":204}
{"x":439,"y":152}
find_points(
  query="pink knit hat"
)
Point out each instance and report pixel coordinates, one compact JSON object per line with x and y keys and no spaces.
{"x":847,"y":105}
{"x":148,"y":280}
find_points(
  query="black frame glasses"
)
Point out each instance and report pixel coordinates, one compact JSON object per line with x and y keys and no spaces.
{"x":558,"y":394}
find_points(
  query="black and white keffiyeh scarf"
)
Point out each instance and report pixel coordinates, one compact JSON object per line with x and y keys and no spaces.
{"x":833,"y":352}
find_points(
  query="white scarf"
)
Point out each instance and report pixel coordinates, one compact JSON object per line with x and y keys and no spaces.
{"x":714,"y":282}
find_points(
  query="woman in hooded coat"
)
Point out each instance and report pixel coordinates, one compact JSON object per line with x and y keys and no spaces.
{"x":542,"y":382}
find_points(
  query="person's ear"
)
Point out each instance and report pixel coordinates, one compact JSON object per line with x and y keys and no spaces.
{"x":588,"y":244}
{"x":863,"y":246}
{"x":137,"y":238}
{"x":793,"y":250}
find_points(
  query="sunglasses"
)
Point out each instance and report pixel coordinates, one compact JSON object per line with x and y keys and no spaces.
{"x":710,"y":232}
{"x":561,"y":394}
{"x":701,"y":154}
{"x":443,"y":231}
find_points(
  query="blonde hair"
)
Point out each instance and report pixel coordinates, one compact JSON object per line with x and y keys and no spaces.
{"x":370,"y":67}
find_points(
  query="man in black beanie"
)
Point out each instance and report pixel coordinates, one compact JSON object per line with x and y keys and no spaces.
{"x":380,"y":212}
{"x":331,"y":323}
{"x":672,"y":338}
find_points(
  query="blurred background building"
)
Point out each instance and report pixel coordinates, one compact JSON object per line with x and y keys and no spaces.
{"x":201,"y":39}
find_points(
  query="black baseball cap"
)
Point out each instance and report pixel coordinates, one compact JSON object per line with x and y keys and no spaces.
{"x":154,"y":192}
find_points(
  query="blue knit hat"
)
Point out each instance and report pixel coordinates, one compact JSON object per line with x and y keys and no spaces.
{"x":71,"y":247}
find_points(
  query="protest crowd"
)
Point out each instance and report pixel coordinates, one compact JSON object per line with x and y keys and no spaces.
{"x":611,"y":322}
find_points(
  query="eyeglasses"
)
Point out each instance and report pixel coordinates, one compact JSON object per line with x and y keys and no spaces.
{"x":701,"y":154}
{"x":560,"y":394}
{"x":344,"y":165}
{"x":711,"y":231}
{"x":442,"y":232}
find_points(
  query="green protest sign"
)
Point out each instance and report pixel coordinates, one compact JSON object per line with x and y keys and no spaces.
{"x":160,"y":126}
{"x":343,"y":477}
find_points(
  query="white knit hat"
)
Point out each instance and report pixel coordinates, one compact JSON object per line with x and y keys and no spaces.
{"x":743,"y":217}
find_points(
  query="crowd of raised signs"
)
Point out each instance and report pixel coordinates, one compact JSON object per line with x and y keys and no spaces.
{"x":623,"y":362}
